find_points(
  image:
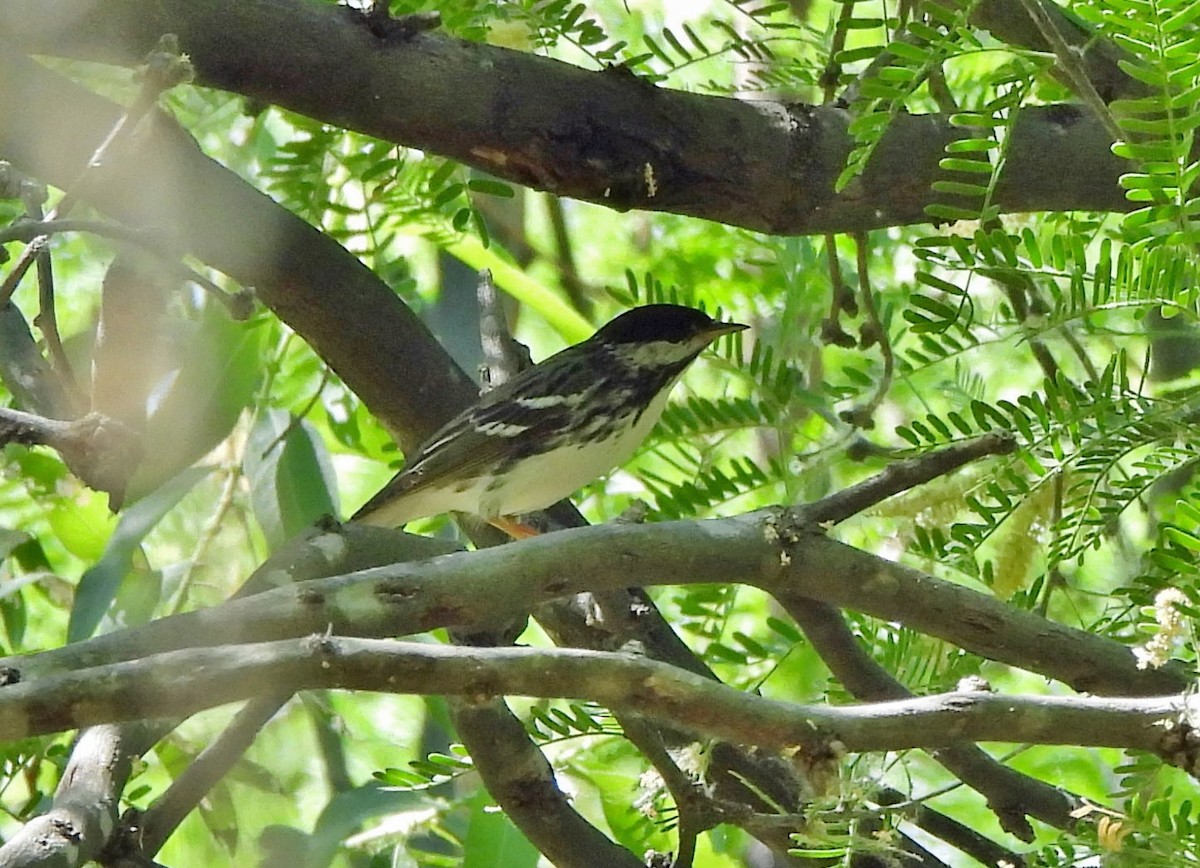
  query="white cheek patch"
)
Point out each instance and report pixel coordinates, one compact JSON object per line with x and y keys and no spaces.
{"x":650,"y":353}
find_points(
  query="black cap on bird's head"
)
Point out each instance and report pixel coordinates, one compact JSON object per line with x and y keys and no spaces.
{"x":663,"y":322}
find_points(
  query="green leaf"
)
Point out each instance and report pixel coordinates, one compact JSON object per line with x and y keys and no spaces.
{"x":949,"y":212}
{"x":860,"y":24}
{"x":99,"y":585}
{"x":492,"y":839}
{"x":1181,"y":537}
{"x":447,"y":194}
{"x":912,"y":53}
{"x":971,"y":146}
{"x":442,"y":174}
{"x":674,"y":42}
{"x":936,"y":282}
{"x":491,"y":187}
{"x":292,"y":483}
{"x":83,"y":524}
{"x":869,"y":122}
{"x":875,"y":88}
{"x":218,"y":376}
{"x":854,"y":55}
{"x":973,"y":120}
{"x":956,"y":164}
{"x":957,"y":188}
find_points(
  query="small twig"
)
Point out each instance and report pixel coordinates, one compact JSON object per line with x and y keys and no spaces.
{"x":47,"y":318}
{"x":28,"y":429}
{"x":873,"y":332}
{"x":688,"y":834}
{"x":29,"y":230}
{"x":158,"y":823}
{"x":208,"y":534}
{"x":697,"y":811}
{"x":47,"y":322}
{"x":98,"y":449}
{"x":1085,"y":360}
{"x":903,"y":475}
{"x":331,"y":746}
{"x":297,"y":419}
{"x":841,"y":299}
{"x":1019,"y":289}
{"x":832,"y":71}
{"x":572,"y":283}
{"x":1010,"y":794}
{"x":238,"y":304}
{"x":1054,"y":577}
{"x":970,"y":841}
{"x":503,"y":356}
{"x":165,"y":67}
{"x":1068,"y":60}
{"x":940,"y":90}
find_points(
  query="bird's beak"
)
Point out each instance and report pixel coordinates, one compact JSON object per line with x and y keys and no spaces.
{"x":718,"y":329}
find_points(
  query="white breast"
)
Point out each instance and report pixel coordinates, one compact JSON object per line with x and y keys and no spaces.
{"x":546,"y":479}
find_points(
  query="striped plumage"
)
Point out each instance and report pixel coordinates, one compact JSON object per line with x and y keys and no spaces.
{"x":554,"y":427}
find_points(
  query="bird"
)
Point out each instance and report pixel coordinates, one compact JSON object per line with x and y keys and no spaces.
{"x":552,"y":428}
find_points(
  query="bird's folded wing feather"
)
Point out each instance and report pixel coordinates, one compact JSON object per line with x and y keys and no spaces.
{"x":508,"y":423}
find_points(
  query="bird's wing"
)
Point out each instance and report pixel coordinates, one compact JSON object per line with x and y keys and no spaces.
{"x":508,"y":421}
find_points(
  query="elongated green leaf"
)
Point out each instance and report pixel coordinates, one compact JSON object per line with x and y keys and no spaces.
{"x":292,"y":483}
{"x":217,"y":378}
{"x":100,"y":584}
{"x":492,"y":839}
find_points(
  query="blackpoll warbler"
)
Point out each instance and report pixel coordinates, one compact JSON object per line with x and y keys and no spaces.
{"x":554,"y":427}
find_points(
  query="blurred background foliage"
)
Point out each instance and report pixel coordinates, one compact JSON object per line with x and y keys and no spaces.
{"x":1075,"y":331}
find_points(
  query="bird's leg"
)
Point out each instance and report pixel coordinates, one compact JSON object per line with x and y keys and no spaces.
{"x":513,"y":528}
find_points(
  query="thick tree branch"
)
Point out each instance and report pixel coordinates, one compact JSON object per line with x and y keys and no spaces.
{"x":84,"y":811}
{"x":1010,"y":795}
{"x":518,"y":774}
{"x":904,"y":475}
{"x":162,"y":180}
{"x":183,"y":682}
{"x":98,"y":449}
{"x":771,"y":550}
{"x":588,"y":135}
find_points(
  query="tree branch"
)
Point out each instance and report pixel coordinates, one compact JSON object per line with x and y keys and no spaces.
{"x":98,"y":449}
{"x":170,"y":809}
{"x":161,"y":179}
{"x":771,"y":550}
{"x":900,"y":476}
{"x":588,"y":135}
{"x":1009,"y":794}
{"x":84,"y":812}
{"x":238,"y":305}
{"x":518,"y":773}
{"x":183,"y":682}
